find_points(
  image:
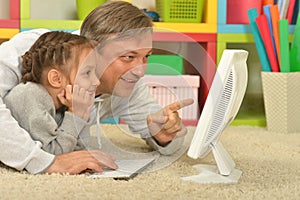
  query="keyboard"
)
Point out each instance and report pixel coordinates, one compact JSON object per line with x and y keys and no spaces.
{"x":127,"y":169}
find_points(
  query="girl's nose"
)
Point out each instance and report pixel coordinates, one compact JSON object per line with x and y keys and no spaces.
{"x":96,"y":80}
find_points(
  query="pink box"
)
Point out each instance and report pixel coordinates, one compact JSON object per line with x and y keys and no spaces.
{"x":237,"y":10}
{"x":168,"y":89}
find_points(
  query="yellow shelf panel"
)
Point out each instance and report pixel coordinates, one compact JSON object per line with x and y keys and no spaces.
{"x":7,"y":33}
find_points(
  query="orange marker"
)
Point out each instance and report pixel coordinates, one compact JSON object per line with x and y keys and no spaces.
{"x":275,"y":20}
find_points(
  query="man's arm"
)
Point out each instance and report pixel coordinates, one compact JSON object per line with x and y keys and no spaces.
{"x":10,"y":58}
{"x":17,"y":149}
{"x":166,"y":125}
{"x":135,"y":110}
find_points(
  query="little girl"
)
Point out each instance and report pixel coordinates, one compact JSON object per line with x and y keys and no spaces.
{"x":54,"y":100}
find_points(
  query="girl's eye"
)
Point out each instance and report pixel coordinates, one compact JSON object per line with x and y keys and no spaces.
{"x":88,"y":72}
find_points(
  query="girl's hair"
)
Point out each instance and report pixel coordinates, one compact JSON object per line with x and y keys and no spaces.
{"x":59,"y":50}
{"x":115,"y":17}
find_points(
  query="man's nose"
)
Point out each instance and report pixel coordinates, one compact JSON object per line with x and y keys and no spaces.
{"x":139,"y":70}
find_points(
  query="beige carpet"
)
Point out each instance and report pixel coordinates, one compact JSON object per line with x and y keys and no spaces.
{"x":270,"y":163}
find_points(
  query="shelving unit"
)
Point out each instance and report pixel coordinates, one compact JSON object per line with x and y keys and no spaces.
{"x":27,"y":23}
{"x":204,"y":33}
{"x":199,"y":32}
{"x":213,"y":34}
{"x":10,"y":27}
{"x":233,"y":34}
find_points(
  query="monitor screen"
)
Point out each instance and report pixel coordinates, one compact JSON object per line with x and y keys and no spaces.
{"x":222,"y":104}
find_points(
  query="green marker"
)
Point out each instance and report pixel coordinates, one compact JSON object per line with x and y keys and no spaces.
{"x":295,"y":52}
{"x":284,"y":45}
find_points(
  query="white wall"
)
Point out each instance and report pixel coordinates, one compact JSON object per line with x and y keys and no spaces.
{"x":142,"y":4}
{"x":53,"y":9}
{"x":4,"y":9}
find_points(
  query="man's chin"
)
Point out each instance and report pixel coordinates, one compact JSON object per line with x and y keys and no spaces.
{"x":122,"y":92}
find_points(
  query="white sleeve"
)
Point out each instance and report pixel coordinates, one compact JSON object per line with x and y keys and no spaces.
{"x":17,"y":149}
{"x":134,"y":112}
{"x":77,"y":32}
{"x":10,"y":57}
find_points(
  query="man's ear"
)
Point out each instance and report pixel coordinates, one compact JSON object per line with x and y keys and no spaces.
{"x":55,"y":78}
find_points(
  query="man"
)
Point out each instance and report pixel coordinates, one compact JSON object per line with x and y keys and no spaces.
{"x":125,"y":37}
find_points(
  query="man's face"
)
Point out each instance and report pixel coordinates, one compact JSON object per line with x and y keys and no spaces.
{"x":125,"y":63}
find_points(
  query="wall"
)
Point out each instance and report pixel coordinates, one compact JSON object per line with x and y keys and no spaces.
{"x":148,"y":4}
{"x":4,"y":9}
{"x":60,"y":9}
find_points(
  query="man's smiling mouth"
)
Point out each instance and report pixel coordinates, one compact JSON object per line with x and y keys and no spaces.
{"x":129,"y":80}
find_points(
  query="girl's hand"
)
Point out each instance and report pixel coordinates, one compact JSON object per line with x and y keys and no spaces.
{"x":78,"y":100}
{"x":78,"y":161}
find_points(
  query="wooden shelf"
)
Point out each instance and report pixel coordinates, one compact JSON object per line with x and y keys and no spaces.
{"x":242,"y":28}
{"x":9,"y":23}
{"x":14,"y":16}
{"x":209,"y":24}
{"x":71,"y":25}
{"x":251,"y":119}
{"x":223,"y":27}
{"x":223,"y":39}
{"x":7,"y":33}
{"x":10,"y":27}
{"x":65,"y":25}
{"x":186,"y":27}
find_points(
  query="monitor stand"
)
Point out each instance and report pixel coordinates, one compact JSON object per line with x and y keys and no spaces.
{"x":223,"y":172}
{"x":209,"y":174}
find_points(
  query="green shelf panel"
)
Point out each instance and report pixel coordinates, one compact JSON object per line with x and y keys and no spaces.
{"x":250,"y":119}
{"x":51,"y":24}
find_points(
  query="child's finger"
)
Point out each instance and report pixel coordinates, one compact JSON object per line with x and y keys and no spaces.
{"x":69,"y":92}
{"x":61,"y":97}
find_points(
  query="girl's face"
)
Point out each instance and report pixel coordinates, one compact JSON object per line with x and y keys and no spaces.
{"x":88,"y":74}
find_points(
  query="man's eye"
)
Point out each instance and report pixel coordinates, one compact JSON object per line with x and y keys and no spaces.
{"x":128,"y":57}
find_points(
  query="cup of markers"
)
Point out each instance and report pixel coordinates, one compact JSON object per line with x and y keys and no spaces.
{"x":280,"y":63}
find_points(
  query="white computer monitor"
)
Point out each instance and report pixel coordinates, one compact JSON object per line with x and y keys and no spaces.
{"x":222,"y":104}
